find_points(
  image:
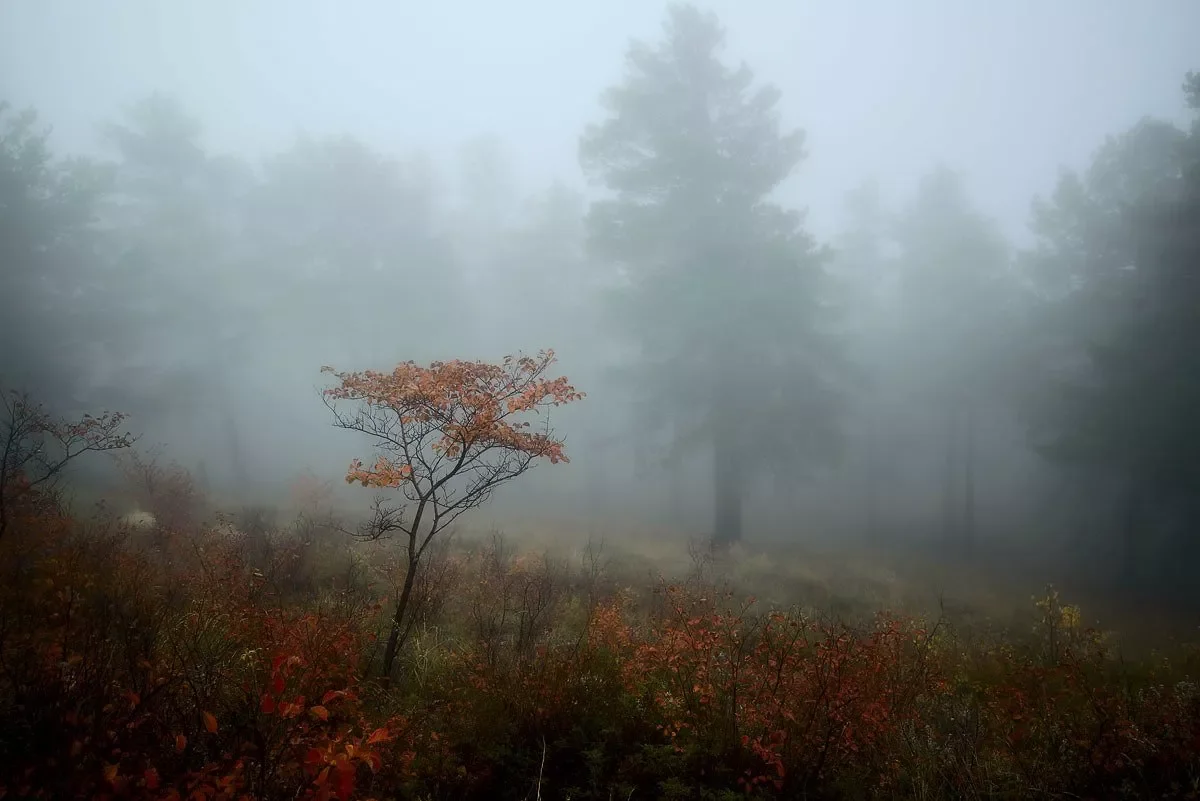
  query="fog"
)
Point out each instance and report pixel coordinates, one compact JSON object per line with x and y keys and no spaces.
{"x":259,"y":189}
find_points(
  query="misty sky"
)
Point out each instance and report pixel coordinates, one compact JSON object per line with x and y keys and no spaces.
{"x":1006,"y":91}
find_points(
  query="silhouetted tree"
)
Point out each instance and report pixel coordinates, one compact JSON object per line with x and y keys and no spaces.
{"x":956,"y":290}
{"x":1118,"y":252}
{"x":179,"y":315}
{"x":723,"y":286}
{"x":333,"y":216}
{"x":866,"y":272}
{"x":49,"y":309}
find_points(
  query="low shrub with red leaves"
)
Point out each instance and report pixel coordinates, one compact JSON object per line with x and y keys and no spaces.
{"x":188,"y":668}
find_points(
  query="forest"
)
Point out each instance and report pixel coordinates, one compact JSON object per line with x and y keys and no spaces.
{"x":271,"y":527}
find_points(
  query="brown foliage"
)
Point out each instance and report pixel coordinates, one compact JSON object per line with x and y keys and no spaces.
{"x":128,"y":675}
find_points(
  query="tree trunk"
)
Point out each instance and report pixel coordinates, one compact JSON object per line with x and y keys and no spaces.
{"x":1129,"y":527}
{"x":950,"y":479}
{"x":968,"y":522}
{"x":1187,"y":546}
{"x":238,"y":464}
{"x":871,"y":489}
{"x":202,"y":481}
{"x":394,"y":642}
{"x":727,"y":487}
{"x":678,"y":507}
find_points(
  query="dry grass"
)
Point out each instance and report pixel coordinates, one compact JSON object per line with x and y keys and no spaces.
{"x":851,"y":578}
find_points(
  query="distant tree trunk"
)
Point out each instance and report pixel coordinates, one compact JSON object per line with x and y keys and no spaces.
{"x":1190,"y":547}
{"x":968,"y":522}
{"x":202,"y":481}
{"x":596,"y":482}
{"x":871,"y":488}
{"x":727,"y":484}
{"x":1189,"y":544}
{"x":950,"y":474}
{"x":1132,"y":520}
{"x":1183,"y":548}
{"x":234,"y":443}
{"x":678,"y":513}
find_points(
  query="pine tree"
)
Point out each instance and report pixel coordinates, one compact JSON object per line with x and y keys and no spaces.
{"x":722,"y":290}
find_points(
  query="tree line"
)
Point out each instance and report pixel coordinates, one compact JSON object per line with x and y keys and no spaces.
{"x":912,"y":356}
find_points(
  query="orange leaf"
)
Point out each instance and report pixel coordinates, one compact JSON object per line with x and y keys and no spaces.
{"x":180,"y":743}
{"x":210,"y":722}
{"x":378,"y":736}
{"x":110,"y":773}
{"x":151,"y":777}
{"x":322,"y":777}
{"x":320,"y":712}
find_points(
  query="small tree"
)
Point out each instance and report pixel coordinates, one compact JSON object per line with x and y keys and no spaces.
{"x":35,"y":448}
{"x":447,"y":436}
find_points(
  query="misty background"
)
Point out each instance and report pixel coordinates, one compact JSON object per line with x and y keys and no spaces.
{"x":232,"y":195}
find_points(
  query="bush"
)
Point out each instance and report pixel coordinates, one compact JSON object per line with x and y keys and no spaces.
{"x":191,"y":668}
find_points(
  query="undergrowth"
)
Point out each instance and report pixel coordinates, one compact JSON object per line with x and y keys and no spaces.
{"x":226,"y":662}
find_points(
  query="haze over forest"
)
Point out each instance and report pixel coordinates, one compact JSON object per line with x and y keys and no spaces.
{"x":960,"y":307}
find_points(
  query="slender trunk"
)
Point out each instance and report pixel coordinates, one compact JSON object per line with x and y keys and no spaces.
{"x":727,"y":486}
{"x":871,"y":491}
{"x":678,"y":507}
{"x":234,"y":443}
{"x":393,"y":642}
{"x":968,"y":522}
{"x":1129,"y":532}
{"x":6,"y":473}
{"x":1187,"y":548}
{"x":202,"y":481}
{"x":950,"y":479}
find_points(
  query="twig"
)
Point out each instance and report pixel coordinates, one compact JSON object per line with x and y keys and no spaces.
{"x":541,"y":768}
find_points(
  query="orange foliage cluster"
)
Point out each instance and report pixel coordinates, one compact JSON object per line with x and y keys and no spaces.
{"x":123,"y":680}
{"x":457,"y":410}
{"x":787,"y":700}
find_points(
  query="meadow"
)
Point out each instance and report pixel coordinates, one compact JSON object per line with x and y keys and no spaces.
{"x":186,"y":653}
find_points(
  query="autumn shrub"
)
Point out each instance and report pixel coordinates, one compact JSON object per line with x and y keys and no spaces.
{"x":166,"y":490}
{"x":79,"y":622}
{"x":104,"y":662}
{"x":510,"y":601}
{"x":195,"y":668}
{"x":559,"y":713}
{"x":777,"y":699}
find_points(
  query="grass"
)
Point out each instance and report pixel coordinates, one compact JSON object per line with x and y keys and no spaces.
{"x":923,"y":579}
{"x":241,"y":661}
